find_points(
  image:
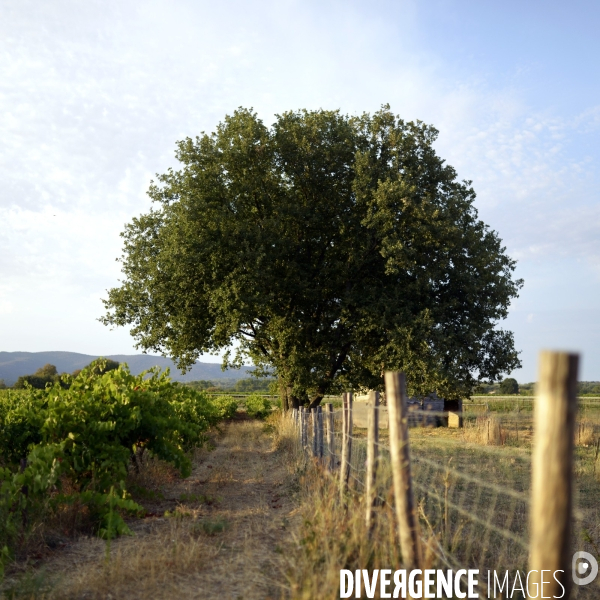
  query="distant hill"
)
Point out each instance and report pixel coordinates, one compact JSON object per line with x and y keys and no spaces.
{"x":15,"y":364}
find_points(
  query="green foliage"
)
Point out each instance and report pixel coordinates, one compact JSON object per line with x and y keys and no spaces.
{"x":210,"y":527}
{"x":258,"y":406}
{"x":44,"y":375}
{"x":509,"y":386}
{"x":200,"y":384}
{"x":101,"y":366}
{"x":2,"y":384}
{"x":48,"y":371}
{"x":329,"y":248}
{"x":225,"y":406}
{"x":49,"y":375}
{"x":589,"y":387}
{"x":253,"y":384}
{"x":87,"y":433}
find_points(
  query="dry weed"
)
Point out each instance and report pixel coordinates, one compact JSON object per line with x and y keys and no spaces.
{"x":586,"y":433}
{"x":332,"y":535}
{"x":486,"y":430}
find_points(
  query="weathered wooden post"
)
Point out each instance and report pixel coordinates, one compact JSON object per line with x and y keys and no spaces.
{"x":372,"y":457}
{"x":330,"y":436}
{"x":320,"y":432}
{"x":346,"y":443}
{"x":303,"y":427}
{"x":344,"y":456}
{"x":349,"y":436}
{"x":315,"y":432}
{"x":305,"y":411}
{"x":552,"y":465}
{"x":295,"y":416}
{"x":408,"y":534}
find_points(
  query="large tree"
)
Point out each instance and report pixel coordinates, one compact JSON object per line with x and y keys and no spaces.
{"x":44,"y":375}
{"x":509,"y":386}
{"x":326,"y":248}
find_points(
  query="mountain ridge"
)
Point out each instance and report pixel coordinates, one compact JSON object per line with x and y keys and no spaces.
{"x":15,"y":364}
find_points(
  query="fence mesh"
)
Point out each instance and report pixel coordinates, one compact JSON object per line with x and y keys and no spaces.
{"x":472,"y":484}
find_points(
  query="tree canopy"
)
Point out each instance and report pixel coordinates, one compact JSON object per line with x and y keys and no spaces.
{"x":326,"y":249}
{"x":509,"y":386}
{"x":44,"y":375}
{"x":48,"y":374}
{"x":102,"y":365}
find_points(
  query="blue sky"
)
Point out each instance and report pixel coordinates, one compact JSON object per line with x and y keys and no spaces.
{"x":93,"y":96}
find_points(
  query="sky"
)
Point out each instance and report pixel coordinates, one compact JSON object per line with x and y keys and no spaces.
{"x":94,"y":95}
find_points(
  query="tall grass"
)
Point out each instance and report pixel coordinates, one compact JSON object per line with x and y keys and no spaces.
{"x":332,"y":534}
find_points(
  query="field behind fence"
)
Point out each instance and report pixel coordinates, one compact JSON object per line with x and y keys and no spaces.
{"x":480,"y":496}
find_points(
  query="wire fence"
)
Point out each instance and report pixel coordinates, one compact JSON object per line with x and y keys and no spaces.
{"x":472,"y":488}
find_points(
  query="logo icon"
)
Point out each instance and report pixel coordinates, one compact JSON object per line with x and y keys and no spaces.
{"x":585,"y":568}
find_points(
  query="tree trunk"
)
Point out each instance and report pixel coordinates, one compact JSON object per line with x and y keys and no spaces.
{"x":138,"y":458}
{"x":298,"y":401}
{"x":315,"y":401}
{"x":283,"y":393}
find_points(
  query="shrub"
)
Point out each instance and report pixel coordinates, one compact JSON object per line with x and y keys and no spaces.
{"x":258,"y":406}
{"x":226,"y":406}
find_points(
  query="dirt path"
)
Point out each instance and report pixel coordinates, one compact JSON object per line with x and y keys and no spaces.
{"x":226,"y":536}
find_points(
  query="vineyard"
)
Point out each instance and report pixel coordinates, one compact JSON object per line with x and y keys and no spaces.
{"x":66,"y":452}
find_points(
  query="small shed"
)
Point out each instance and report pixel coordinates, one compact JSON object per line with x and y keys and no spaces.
{"x":429,"y":411}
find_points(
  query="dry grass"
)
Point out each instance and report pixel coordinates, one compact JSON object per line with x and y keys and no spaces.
{"x":486,"y":430}
{"x":333,"y":537}
{"x":587,"y":433}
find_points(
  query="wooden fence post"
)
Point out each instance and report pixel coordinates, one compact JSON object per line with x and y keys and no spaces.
{"x":372,"y":457}
{"x":346,"y":443}
{"x":303,"y":427}
{"x":295,"y":416}
{"x":350,"y":427}
{"x":408,"y":534}
{"x":320,"y":432}
{"x":315,"y":433}
{"x":330,"y":436}
{"x":552,"y":465}
{"x":344,"y":456}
